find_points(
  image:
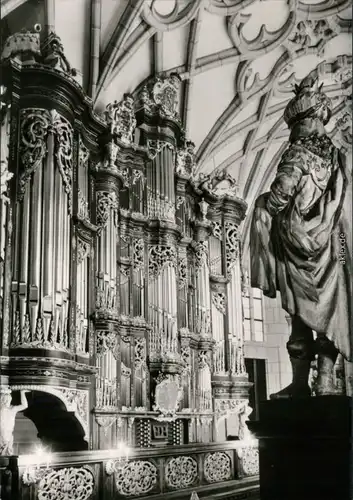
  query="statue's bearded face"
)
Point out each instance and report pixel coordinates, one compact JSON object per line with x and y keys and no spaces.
{"x":5,"y":400}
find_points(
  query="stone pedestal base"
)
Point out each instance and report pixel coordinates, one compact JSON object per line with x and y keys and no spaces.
{"x":305,"y":448}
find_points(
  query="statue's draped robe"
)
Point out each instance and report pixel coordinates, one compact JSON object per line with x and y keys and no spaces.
{"x":295,"y":240}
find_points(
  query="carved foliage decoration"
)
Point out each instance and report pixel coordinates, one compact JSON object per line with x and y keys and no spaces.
{"x":160,"y":256}
{"x":181,"y":472}
{"x":265,"y":38}
{"x":107,"y":341}
{"x":83,"y":250}
{"x":36,"y":124}
{"x":138,"y":254}
{"x":219,"y":301}
{"x":309,"y":33}
{"x":66,"y":484}
{"x":249,"y":457}
{"x":155,"y":147}
{"x":217,"y":467}
{"x":185,"y":352}
{"x":232,"y":244}
{"x":217,"y":230}
{"x":182,"y":272}
{"x":106,"y":202}
{"x":137,"y":478}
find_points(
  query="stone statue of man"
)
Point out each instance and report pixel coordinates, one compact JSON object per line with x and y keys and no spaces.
{"x":296,"y":243}
{"x":7,"y":419}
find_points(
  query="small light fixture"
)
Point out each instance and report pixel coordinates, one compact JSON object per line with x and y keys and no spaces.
{"x":120,"y":461}
{"x":38,"y":467}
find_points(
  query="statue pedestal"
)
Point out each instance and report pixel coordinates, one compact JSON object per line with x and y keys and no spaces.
{"x":305,"y":448}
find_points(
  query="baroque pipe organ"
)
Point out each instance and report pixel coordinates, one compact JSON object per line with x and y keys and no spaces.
{"x":120,"y":278}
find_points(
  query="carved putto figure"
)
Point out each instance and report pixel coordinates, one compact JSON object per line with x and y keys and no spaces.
{"x":243,"y":415}
{"x":217,"y":183}
{"x":121,"y":118}
{"x":295,"y":242}
{"x":8,"y":414}
{"x":185,"y":159}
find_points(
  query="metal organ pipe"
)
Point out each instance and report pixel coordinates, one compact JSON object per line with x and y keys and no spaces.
{"x":235,"y":317}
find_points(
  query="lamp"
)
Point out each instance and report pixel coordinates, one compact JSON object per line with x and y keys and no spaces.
{"x":34,"y":471}
{"x":121,"y":460}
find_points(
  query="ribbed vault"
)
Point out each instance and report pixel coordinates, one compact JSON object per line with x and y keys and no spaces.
{"x":238,"y":61}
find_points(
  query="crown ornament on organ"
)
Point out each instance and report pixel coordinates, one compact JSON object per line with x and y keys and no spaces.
{"x":309,"y":102}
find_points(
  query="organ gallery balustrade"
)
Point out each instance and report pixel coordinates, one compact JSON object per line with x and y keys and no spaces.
{"x":175,"y":472}
{"x":120,"y":278}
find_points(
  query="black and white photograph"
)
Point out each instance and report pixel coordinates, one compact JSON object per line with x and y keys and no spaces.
{"x":176,"y":250}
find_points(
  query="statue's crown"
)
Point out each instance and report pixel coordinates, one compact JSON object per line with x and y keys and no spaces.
{"x":5,"y":390}
{"x":309,"y":100}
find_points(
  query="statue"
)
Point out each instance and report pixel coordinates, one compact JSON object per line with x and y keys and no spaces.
{"x":243,"y":415}
{"x":296,"y":243}
{"x":7,"y":419}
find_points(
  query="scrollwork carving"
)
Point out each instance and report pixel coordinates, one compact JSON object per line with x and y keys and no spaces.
{"x":219,"y":301}
{"x":249,"y":458}
{"x":217,"y":467}
{"x":138,"y":249}
{"x":160,"y":256}
{"x":217,"y":230}
{"x":107,"y":341}
{"x":82,"y":250}
{"x":183,"y":272}
{"x":139,"y":477}
{"x":66,"y":484}
{"x":232,"y":244}
{"x":181,"y":472}
{"x":106,"y":203}
{"x":35,"y":126}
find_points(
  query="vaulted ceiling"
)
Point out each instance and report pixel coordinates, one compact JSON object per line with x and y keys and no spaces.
{"x":238,"y":60}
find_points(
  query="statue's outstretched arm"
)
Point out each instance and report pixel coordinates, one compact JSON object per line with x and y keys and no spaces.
{"x":24,"y":403}
{"x":284,"y":186}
